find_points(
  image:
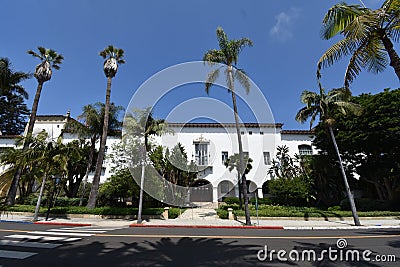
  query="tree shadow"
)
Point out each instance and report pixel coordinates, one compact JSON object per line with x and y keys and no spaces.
{"x":162,"y":252}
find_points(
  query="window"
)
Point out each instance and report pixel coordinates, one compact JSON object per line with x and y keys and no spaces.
{"x":225,"y":187}
{"x":267,"y":158}
{"x":305,"y":150}
{"x":261,"y":133}
{"x":250,"y":132}
{"x":201,"y":150}
{"x":242,"y":132}
{"x":224,"y":156}
{"x":245,"y":154}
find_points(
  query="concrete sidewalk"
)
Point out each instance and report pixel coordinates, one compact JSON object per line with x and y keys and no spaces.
{"x":207,"y":218}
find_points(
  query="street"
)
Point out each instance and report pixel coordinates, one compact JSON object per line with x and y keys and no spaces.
{"x":48,"y":245}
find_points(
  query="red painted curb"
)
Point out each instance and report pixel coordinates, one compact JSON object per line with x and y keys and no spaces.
{"x":210,"y":226}
{"x":64,"y":224}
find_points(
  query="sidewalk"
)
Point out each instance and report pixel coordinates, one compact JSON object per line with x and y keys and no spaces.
{"x":207,"y":218}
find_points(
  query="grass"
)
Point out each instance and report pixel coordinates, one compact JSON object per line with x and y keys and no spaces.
{"x":304,"y":212}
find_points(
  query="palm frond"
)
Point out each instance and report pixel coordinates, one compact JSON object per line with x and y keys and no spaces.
{"x":338,"y":18}
{"x":212,"y":77}
{"x":214,"y":56}
{"x":243,"y":79}
{"x":340,"y":49}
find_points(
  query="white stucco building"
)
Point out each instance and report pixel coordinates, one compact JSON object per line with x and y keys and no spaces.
{"x":208,"y":145}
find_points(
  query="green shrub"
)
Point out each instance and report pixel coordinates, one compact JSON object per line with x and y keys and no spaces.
{"x":173,"y":213}
{"x":231,"y":200}
{"x":366,"y":204}
{"x":261,"y":201}
{"x":334,"y":208}
{"x":291,"y":192}
{"x":222,"y":213}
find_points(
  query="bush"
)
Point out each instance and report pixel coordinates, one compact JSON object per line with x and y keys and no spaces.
{"x":231,"y":200}
{"x":367,"y":204}
{"x":261,"y":201}
{"x":334,"y":208}
{"x":173,"y":213}
{"x":222,"y":213}
{"x":290,"y":192}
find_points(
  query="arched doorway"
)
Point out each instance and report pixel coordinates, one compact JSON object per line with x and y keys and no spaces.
{"x":201,"y":191}
{"x":225,"y":189}
{"x":251,"y":189}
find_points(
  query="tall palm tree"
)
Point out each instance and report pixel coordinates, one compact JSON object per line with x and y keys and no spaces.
{"x":325,"y":104}
{"x":368,"y":36}
{"x":90,"y":126}
{"x":228,"y":54}
{"x":113,"y":57}
{"x":49,"y":59}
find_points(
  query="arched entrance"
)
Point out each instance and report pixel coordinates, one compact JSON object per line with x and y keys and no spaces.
{"x":201,"y":191}
{"x":225,"y":189}
{"x":251,"y":189}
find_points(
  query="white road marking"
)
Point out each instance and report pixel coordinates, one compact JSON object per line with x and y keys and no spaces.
{"x":58,"y":233}
{"x":27,"y":244}
{"x":15,"y":254}
{"x":78,"y":231}
{"x":44,"y":238}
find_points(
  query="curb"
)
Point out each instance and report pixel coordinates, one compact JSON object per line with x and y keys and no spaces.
{"x":209,"y":226}
{"x":12,"y":221}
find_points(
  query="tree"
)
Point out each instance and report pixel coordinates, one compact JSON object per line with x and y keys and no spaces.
{"x":43,"y":72}
{"x":90,"y":126}
{"x":233,"y":163}
{"x":368,"y":36}
{"x":141,"y":125}
{"x":370,"y":143}
{"x":228,"y":54}
{"x":325,"y":105}
{"x":13,"y":109}
{"x":113,"y":57}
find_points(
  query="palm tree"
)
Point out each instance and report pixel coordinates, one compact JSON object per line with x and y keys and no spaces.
{"x":43,"y":72}
{"x":113,"y":57}
{"x":141,"y":124}
{"x":325,"y":105}
{"x":90,"y":126}
{"x":228,"y":54}
{"x":368,"y":36}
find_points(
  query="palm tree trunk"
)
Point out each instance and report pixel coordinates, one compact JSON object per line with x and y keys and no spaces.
{"x":96,"y":179}
{"x":346,"y":184}
{"x":12,"y":193}
{"x":139,"y":219}
{"x":394,"y":57}
{"x":241,"y":158}
{"x":36,"y":215}
{"x":88,"y":167}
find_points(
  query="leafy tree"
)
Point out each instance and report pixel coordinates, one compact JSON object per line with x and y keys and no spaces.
{"x":13,"y":109}
{"x":228,"y":54}
{"x":326,"y":105}
{"x":113,"y":57}
{"x":90,"y":126}
{"x":368,"y":36}
{"x":232,"y":163}
{"x":43,"y":72}
{"x":370,"y":143}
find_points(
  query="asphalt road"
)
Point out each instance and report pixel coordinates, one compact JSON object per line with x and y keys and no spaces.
{"x":45,"y":245}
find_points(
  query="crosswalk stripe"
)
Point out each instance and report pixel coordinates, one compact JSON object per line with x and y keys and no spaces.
{"x":78,"y":231}
{"x":45,"y":238}
{"x":15,"y":254}
{"x":59,"y":233}
{"x":27,"y":244}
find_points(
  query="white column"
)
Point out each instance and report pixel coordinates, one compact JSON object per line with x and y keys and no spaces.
{"x":215,"y":194}
{"x":260,"y":193}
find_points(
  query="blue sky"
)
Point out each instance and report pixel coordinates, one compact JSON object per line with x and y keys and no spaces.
{"x":158,"y":34}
